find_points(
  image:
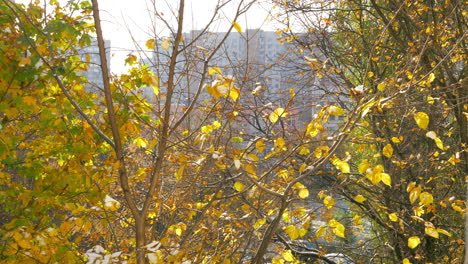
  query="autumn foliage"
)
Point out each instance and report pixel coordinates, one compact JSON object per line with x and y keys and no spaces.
{"x":209,"y":169}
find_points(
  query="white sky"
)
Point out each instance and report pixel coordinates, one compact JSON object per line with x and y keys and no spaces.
{"x":127,"y":20}
{"x":123,"y":17}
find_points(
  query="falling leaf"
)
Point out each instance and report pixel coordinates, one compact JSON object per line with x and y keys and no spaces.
{"x":413,"y":242}
{"x":275,"y":115}
{"x":238,"y":186}
{"x":166,"y":44}
{"x":237,"y":26}
{"x":422,"y":119}
{"x":387,"y":151}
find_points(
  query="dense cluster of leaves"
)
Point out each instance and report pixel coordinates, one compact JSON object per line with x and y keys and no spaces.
{"x":407,"y":59}
{"x":218,"y":180}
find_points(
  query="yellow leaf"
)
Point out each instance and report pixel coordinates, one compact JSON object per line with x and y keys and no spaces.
{"x":292,"y":231}
{"x":359,"y":198}
{"x":140,"y":142}
{"x":431,"y":231}
{"x":180,"y":172}
{"x":422,"y":119}
{"x":337,"y":228}
{"x":24,"y":244}
{"x":426,"y":199}
{"x":150,"y":44}
{"x":259,"y":223}
{"x":314,"y":127}
{"x":363,"y":166}
{"x":304,"y":193}
{"x":178,"y":231}
{"x":275,"y":115}
{"x":406,"y":261}
{"x":393,"y":217}
{"x":304,"y":151}
{"x":250,"y":169}
{"x":260,"y":146}
{"x":29,"y":100}
{"x":216,"y":124}
{"x":277,"y":260}
{"x":381,"y":86}
{"x":234,"y":93}
{"x":320,"y":231}
{"x":279,"y":142}
{"x":288,"y":256}
{"x":213,"y":70}
{"x":343,"y":166}
{"x":431,"y":77}
{"x":335,"y":110}
{"x":386,"y":179}
{"x":166,"y":44}
{"x":442,"y":231}
{"x":318,"y":152}
{"x":238,"y":186}
{"x":413,"y":242}
{"x":414,"y":194}
{"x":387,"y":151}
{"x":23,"y":62}
{"x":396,"y":140}
{"x":439,"y":143}
{"x":155,"y":89}
{"x":328,"y":201}
{"x":237,"y":26}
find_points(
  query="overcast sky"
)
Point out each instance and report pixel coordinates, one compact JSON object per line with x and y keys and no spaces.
{"x":126,"y":21}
